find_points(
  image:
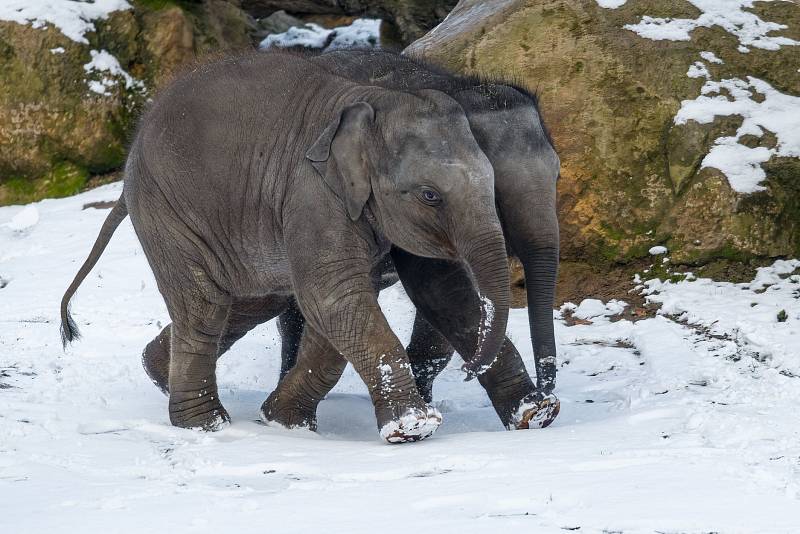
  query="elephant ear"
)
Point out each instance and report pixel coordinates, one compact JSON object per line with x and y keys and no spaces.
{"x":345,"y":142}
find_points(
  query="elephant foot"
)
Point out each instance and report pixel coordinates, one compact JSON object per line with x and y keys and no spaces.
{"x":535,"y":411}
{"x":155,"y":360}
{"x":197,"y":413}
{"x":413,"y":425}
{"x":288,"y":415}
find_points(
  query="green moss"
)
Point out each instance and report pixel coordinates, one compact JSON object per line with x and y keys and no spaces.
{"x":155,"y":5}
{"x":65,"y":179}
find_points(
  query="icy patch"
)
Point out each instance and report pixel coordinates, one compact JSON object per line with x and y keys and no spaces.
{"x":728,"y":14}
{"x":593,"y":308}
{"x":657,"y":250}
{"x":778,"y":112}
{"x":57,"y":50}
{"x":103,"y":62}
{"x":73,"y":18}
{"x":361,"y":33}
{"x":27,"y":218}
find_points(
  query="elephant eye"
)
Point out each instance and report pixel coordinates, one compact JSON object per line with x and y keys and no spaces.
{"x":430,"y":196}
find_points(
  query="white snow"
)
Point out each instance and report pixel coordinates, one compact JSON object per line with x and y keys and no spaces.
{"x":103,"y":62}
{"x":656,"y":250}
{"x":778,"y":112}
{"x":611,"y":4}
{"x":25,"y":219}
{"x":698,"y":69}
{"x":57,"y":50}
{"x":711,"y":57}
{"x":360,"y":33}
{"x":73,"y":18}
{"x":664,"y":426}
{"x":594,"y":309}
{"x":730,"y":15}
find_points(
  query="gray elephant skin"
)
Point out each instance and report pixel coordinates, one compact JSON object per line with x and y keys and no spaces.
{"x":260,"y":178}
{"x":507,"y":125}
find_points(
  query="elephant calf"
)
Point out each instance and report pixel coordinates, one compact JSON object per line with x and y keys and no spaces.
{"x":505,"y":122}
{"x":260,"y":178}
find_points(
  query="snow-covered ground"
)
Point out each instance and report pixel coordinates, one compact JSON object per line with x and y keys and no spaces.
{"x":665,"y":426}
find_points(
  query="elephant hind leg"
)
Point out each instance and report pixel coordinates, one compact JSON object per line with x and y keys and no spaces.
{"x":245,"y":314}
{"x":155,"y":359}
{"x":195,"y":336}
{"x":429,"y":353}
{"x":294,"y":402}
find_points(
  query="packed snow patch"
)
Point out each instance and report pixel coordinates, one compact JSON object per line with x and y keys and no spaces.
{"x":594,"y":308}
{"x":73,"y":18}
{"x":361,"y":33}
{"x":103,"y":62}
{"x":777,"y":112}
{"x":760,"y":319}
{"x":26,"y":218}
{"x":657,"y":250}
{"x":730,"y":15}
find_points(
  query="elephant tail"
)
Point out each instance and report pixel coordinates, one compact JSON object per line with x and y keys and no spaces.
{"x":69,"y":330}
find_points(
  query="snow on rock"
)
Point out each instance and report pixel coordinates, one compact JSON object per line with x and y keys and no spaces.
{"x":360,"y":33}
{"x":103,"y":62}
{"x":611,"y":4}
{"x":664,"y":426}
{"x":73,"y":18}
{"x":777,"y":112}
{"x":730,"y":15}
{"x":657,"y":250}
{"x":698,"y":70}
{"x":711,"y":57}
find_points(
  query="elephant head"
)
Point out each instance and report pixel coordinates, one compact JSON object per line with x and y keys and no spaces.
{"x":410,"y":165}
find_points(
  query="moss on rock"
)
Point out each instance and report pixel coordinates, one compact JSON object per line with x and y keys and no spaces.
{"x":50,"y":119}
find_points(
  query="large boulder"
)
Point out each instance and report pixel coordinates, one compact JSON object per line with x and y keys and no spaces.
{"x":73,"y":82}
{"x":677,"y":123}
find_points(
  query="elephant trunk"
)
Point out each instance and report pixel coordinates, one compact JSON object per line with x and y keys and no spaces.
{"x":487,"y":258}
{"x":541,"y":269}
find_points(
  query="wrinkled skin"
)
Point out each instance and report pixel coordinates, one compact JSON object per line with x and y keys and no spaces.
{"x":507,"y":126}
{"x":262,"y":178}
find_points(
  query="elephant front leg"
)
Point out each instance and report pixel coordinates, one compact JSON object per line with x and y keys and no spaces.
{"x":444,"y":295}
{"x":402,"y":413}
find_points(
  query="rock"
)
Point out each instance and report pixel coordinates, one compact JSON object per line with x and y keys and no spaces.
{"x":278,"y":22}
{"x":633,"y":173}
{"x":67,"y":107}
{"x":406,"y":19}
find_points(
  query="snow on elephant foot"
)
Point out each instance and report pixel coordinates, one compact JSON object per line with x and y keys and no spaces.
{"x":538,"y":412}
{"x":414,"y":425}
